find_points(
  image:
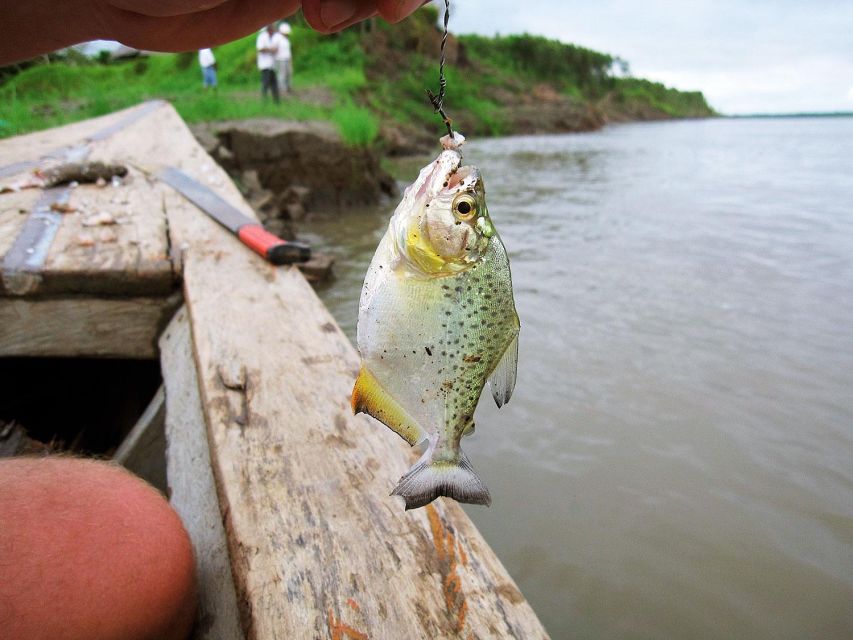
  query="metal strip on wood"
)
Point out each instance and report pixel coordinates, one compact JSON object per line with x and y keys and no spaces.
{"x":129,"y":119}
{"x":23,"y":262}
{"x":79,"y":152}
{"x":17,"y":167}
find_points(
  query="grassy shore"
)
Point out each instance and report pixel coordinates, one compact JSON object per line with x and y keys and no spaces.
{"x":363,"y":79}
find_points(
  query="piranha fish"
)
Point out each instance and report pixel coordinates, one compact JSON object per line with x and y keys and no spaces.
{"x":437,"y":320}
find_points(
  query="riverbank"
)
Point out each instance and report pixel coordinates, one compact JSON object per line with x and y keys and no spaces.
{"x":368,"y":82}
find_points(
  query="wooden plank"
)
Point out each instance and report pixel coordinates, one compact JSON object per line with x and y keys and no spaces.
{"x":129,"y":256}
{"x":78,"y":326}
{"x":23,"y":262}
{"x":14,"y":209}
{"x":318,"y":547}
{"x":192,"y":488}
{"x":18,"y":155}
{"x":143,"y":451}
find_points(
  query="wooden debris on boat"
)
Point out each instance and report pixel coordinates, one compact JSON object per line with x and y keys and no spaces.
{"x":306,"y":541}
{"x":318,"y":268}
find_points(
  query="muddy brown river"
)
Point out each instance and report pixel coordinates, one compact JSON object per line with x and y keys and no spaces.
{"x":677,"y":460}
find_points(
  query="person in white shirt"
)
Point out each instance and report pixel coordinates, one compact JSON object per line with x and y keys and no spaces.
{"x":207,"y":62}
{"x":283,"y":58}
{"x":266,"y":61}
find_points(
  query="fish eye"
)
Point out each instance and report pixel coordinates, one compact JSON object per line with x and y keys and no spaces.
{"x":464,"y":207}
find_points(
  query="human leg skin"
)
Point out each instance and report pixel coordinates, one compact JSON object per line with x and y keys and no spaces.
{"x":89,"y":551}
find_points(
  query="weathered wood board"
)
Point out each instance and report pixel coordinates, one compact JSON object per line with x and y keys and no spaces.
{"x":318,"y":547}
{"x":68,"y":141}
{"x":111,"y":240}
{"x":143,"y":450}
{"x":86,"y":327}
{"x":33,"y":146}
{"x":191,"y":486}
{"x":129,"y":255}
{"x":101,"y":282}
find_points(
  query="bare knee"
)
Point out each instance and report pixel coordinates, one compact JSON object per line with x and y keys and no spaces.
{"x":88,"y":550}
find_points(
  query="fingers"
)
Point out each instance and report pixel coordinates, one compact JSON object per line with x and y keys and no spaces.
{"x":395,"y":10}
{"x":328,"y":16}
{"x":173,"y":25}
{"x":165,"y":8}
{"x":222,"y":22}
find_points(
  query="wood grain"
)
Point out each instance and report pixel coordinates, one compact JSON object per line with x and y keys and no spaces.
{"x":37,"y":145}
{"x":14,"y":209}
{"x":90,"y":327}
{"x":128,"y":256}
{"x":318,"y":547}
{"x":143,"y":450}
{"x":191,"y":486}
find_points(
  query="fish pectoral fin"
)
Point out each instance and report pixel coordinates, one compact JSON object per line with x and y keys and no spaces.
{"x":502,"y":378}
{"x":369,"y":397}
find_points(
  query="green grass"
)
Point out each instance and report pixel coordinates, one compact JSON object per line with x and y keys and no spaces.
{"x":358,"y":125}
{"x":355,"y":80}
{"x":678,"y":104}
{"x":52,"y":94}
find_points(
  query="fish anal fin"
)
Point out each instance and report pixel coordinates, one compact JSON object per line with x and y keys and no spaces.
{"x":369,"y":397}
{"x":502,"y":378}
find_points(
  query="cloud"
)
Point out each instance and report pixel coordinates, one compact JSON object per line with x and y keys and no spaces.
{"x":813,"y":83}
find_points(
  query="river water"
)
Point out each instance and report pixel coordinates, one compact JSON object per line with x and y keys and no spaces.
{"x":677,"y":460}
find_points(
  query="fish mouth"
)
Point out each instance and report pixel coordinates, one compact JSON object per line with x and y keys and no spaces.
{"x":463,"y":178}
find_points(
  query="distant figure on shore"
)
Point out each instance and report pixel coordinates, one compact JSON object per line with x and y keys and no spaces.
{"x":283,"y":58}
{"x":266,"y":61}
{"x":207,"y":61}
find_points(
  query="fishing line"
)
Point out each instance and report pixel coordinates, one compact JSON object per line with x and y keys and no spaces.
{"x":438,"y":100}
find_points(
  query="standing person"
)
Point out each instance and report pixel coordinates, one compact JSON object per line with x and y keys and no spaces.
{"x":283,"y":58}
{"x":266,"y":61}
{"x":207,"y":61}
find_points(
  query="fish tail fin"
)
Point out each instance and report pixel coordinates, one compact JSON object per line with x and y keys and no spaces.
{"x":428,"y":479}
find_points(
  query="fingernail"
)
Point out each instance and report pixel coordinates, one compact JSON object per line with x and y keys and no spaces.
{"x":335,"y":12}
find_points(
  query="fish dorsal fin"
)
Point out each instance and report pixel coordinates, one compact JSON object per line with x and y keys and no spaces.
{"x":502,"y":379}
{"x":369,"y":397}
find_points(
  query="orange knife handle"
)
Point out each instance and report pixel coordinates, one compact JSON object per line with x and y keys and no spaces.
{"x":270,"y":247}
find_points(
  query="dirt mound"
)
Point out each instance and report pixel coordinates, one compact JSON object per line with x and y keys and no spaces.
{"x":308,"y":157}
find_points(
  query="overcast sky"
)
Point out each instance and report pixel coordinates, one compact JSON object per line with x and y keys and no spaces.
{"x":747,"y":56}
